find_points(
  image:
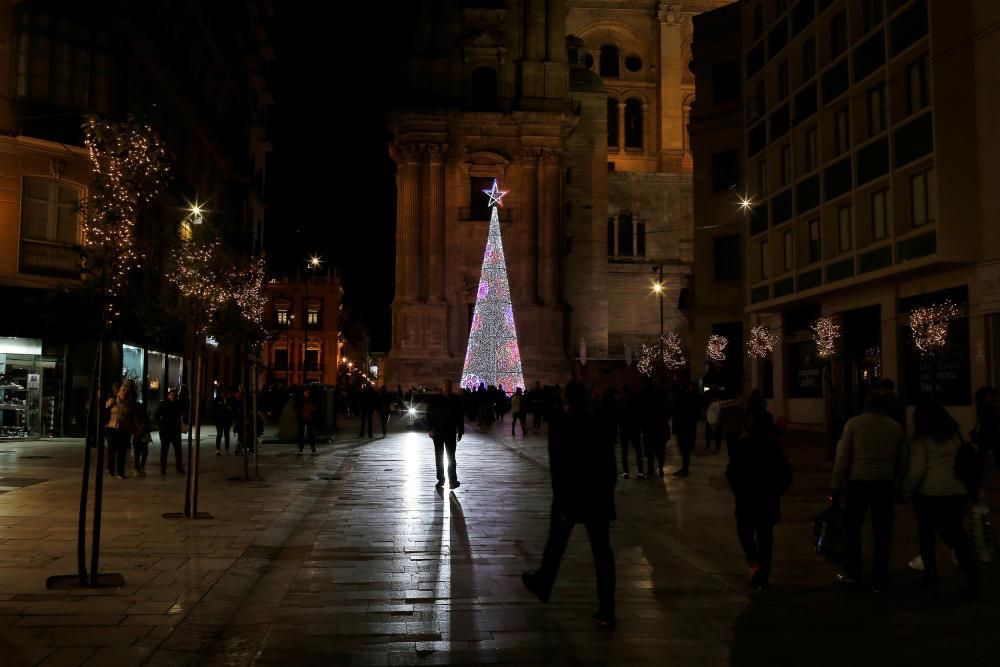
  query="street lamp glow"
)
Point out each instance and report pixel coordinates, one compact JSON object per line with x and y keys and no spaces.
{"x":746,"y":203}
{"x":314,"y":262}
{"x":657,"y":288}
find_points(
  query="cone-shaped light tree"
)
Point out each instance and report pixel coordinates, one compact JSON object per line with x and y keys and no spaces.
{"x":493,"y":356}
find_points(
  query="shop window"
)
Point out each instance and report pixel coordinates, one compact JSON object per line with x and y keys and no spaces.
{"x":133,"y":366}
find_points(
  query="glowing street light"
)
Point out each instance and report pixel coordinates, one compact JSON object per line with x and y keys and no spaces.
{"x":657,"y":288}
{"x":746,"y":203}
{"x":314,"y":262}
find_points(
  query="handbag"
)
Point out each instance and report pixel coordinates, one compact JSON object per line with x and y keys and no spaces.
{"x":982,"y":532}
{"x":829,"y":532}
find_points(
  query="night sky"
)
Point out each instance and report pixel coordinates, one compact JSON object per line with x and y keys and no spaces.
{"x":332,"y":188}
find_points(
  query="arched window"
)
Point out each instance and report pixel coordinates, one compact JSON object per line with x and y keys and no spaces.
{"x":612,"y":123}
{"x":611,"y":237}
{"x":625,"y":234}
{"x":633,"y":123}
{"x":484,"y":88}
{"x":609,"y":61}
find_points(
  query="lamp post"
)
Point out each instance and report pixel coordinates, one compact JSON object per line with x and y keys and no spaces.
{"x":658,"y":289}
{"x":312,"y":264}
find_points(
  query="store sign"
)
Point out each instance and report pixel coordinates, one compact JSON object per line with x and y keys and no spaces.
{"x":946,"y":373}
{"x":20,"y":346}
{"x":33,"y":381}
{"x":989,"y":287}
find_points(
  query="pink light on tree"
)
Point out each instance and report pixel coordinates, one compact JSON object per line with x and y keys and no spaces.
{"x":493,"y":356}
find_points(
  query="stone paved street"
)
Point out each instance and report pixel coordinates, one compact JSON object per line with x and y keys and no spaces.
{"x":352,"y":557}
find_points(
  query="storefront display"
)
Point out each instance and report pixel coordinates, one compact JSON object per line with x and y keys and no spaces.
{"x":30,"y":389}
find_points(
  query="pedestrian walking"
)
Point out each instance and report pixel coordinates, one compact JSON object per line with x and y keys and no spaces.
{"x":758,"y":474}
{"x":222,"y":408}
{"x":306,"y":415}
{"x":447,"y":422}
{"x":518,"y":411}
{"x":713,"y":423}
{"x":384,"y":409}
{"x":536,"y":404}
{"x":655,"y":427}
{"x":627,"y":415}
{"x":366,"y":405}
{"x":582,"y":465}
{"x":120,"y":426}
{"x":869,"y":469}
{"x":940,"y":498}
{"x":141,"y":438}
{"x":732,"y":424}
{"x":168,"y":418}
{"x":686,"y":426}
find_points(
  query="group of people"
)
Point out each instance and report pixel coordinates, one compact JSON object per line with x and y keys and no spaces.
{"x":879,"y":462}
{"x":128,"y":427}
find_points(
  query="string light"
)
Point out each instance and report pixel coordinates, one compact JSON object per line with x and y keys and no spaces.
{"x":199,"y":279}
{"x":762,"y":341}
{"x":873,"y":355}
{"x":493,"y":356}
{"x":716,"y":347}
{"x":929,"y":325}
{"x":246,"y":289}
{"x":668,"y":349}
{"x":826,"y":333}
{"x":129,"y":166}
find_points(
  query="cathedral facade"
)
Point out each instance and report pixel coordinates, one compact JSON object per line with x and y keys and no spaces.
{"x":580,"y":110}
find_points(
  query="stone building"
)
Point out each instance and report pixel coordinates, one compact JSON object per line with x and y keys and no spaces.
{"x":578,"y":108}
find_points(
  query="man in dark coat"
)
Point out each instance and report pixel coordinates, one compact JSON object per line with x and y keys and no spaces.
{"x":758,"y":474}
{"x":168,"y":417}
{"x":447,"y":422}
{"x":367,"y":400}
{"x":582,"y":464}
{"x":655,"y":427}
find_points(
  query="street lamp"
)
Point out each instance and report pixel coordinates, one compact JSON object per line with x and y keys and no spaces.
{"x":658,"y":290}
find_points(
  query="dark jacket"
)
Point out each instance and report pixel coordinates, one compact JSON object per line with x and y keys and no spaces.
{"x":686,"y":413}
{"x":582,"y":463}
{"x":445,"y":416}
{"x":759,"y":474}
{"x":168,"y":416}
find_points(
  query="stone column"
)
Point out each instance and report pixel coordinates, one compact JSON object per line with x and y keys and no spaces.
{"x":548,"y":221}
{"x":409,"y":223}
{"x":528,"y":285}
{"x":555,"y":30}
{"x":671,"y":114}
{"x":534,"y":30}
{"x":435,"y":222}
{"x":621,"y":126}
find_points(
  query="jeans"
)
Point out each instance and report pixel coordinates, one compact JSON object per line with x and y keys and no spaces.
{"x":600,"y":546}
{"x":442,"y":444}
{"x":756,"y":535}
{"x":944,"y":515}
{"x":170,"y":439}
{"x":119,"y":441}
{"x":140,"y":451}
{"x":222,"y":433}
{"x":630,"y":438}
{"x":862,"y":497}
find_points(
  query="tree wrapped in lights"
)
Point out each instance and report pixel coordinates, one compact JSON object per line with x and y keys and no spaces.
{"x":667,"y":350}
{"x":762,"y":341}
{"x":826,"y":333}
{"x":130,"y":166}
{"x":929,"y":326}
{"x":493,"y":356}
{"x":715,"y":349}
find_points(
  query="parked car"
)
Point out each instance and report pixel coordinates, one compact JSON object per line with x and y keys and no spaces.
{"x":413,"y":413}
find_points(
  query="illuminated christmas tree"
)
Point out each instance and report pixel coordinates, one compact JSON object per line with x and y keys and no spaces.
{"x":493,"y":357}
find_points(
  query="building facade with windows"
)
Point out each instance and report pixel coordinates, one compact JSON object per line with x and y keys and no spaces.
{"x":192,"y":71}
{"x":719,"y":293}
{"x":304,"y":318}
{"x":579,"y":109}
{"x":868,"y":151}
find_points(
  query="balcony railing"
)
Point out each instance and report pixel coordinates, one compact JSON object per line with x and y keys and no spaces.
{"x":50,"y":259}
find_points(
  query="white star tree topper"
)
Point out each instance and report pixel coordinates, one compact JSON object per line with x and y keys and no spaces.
{"x":495,"y":194}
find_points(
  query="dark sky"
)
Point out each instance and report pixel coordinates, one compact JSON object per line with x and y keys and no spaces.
{"x":332,"y":189}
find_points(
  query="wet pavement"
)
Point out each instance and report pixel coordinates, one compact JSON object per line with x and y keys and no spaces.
{"x":353,"y":557}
